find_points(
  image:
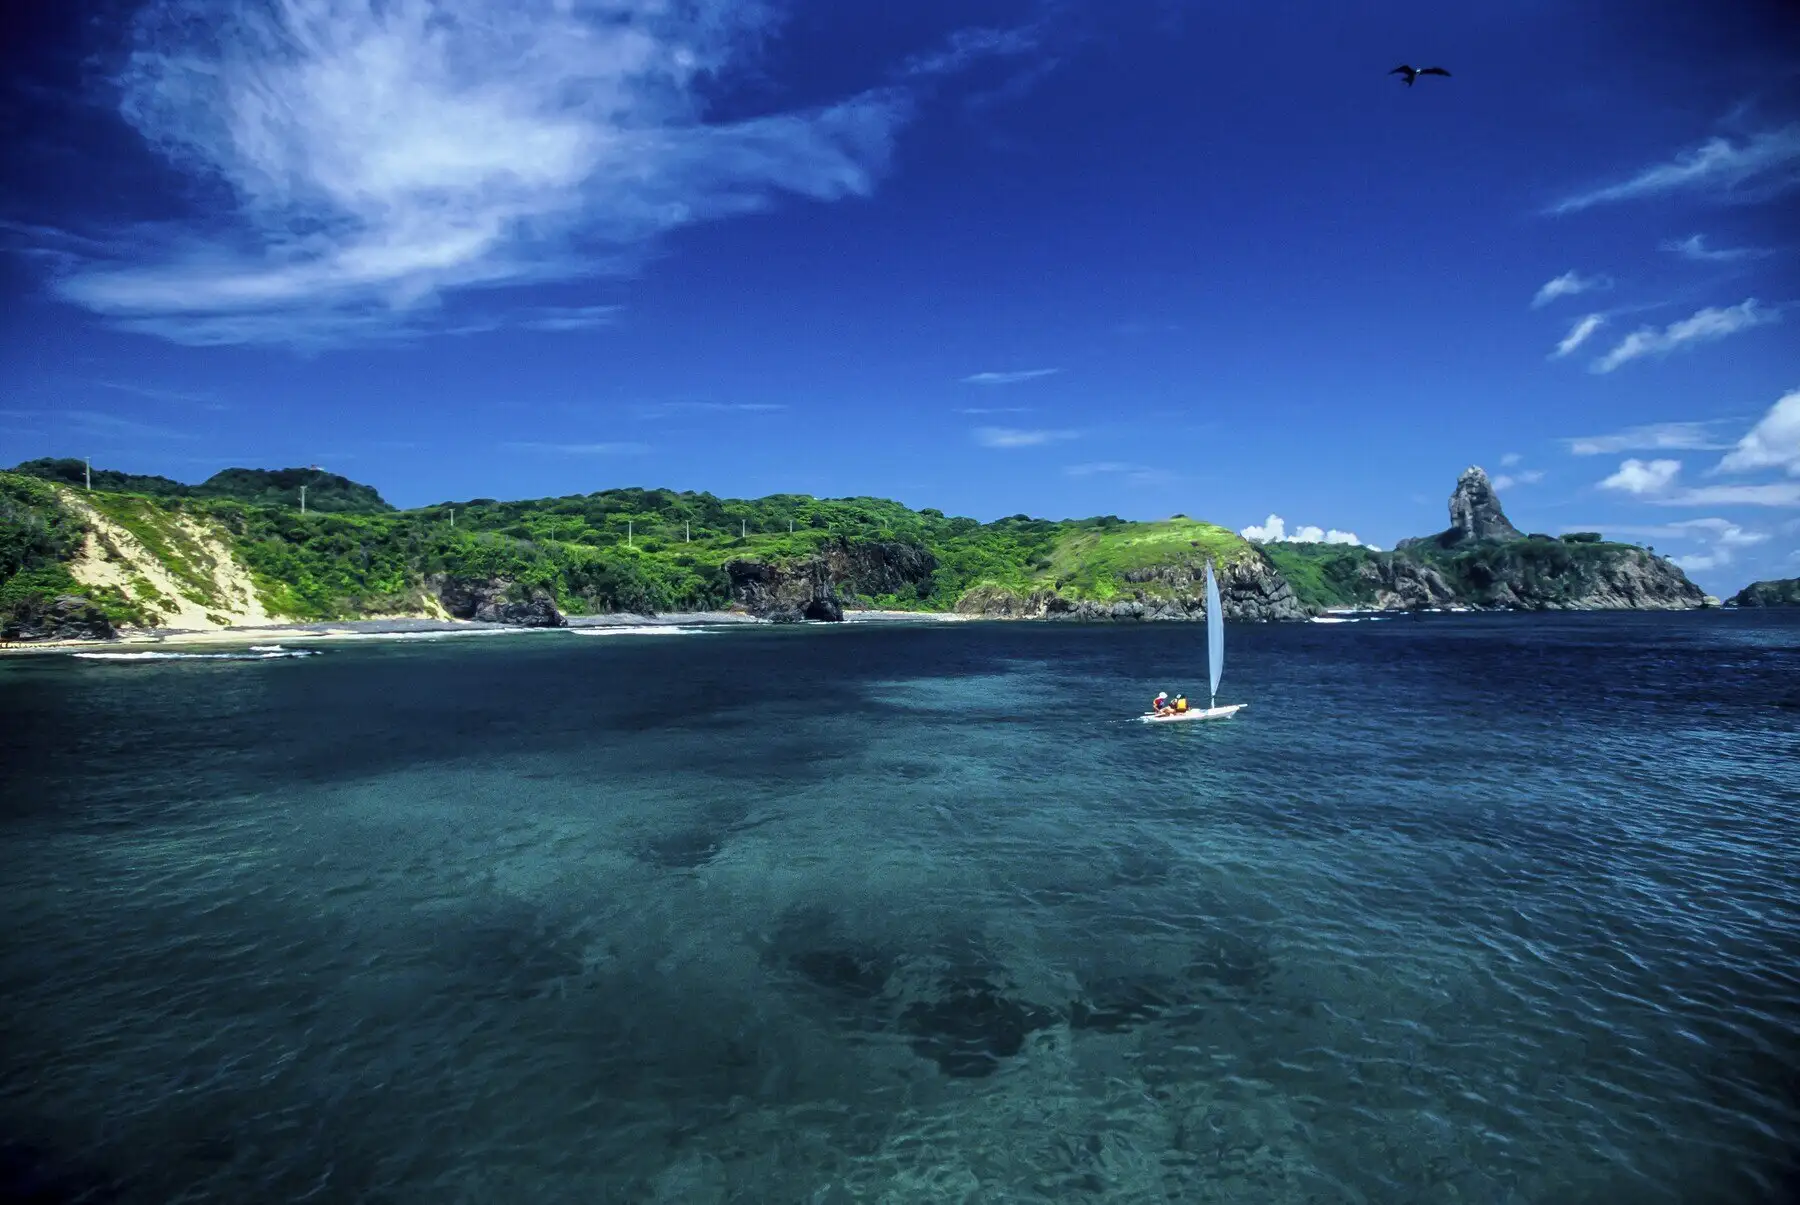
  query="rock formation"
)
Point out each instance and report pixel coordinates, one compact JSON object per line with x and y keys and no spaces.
{"x":65,"y":617}
{"x":1782,"y":592}
{"x":1475,"y":514}
{"x":497,"y":600}
{"x":821,"y":586}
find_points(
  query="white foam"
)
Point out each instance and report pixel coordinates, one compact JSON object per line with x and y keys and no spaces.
{"x":659,"y":629}
{"x":265,"y":653}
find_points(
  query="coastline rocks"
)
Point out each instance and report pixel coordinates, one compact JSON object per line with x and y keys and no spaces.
{"x":1397,"y":584}
{"x":497,"y":600}
{"x":65,"y":617}
{"x":814,"y":588}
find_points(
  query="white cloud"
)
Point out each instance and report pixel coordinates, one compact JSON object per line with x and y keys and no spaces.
{"x":1569,"y":284}
{"x":1138,"y":474}
{"x":1014,"y":437}
{"x":1522,"y":477}
{"x":599,"y":449}
{"x":1721,"y":539}
{"x":1694,"y":247}
{"x":994,"y":410}
{"x":383,"y":154}
{"x":1642,"y":477}
{"x":1274,"y":531}
{"x":1762,"y":165}
{"x":1009,"y":378}
{"x":1510,"y":459}
{"x":1773,"y":443}
{"x":1707,"y":325}
{"x":1652,"y":437}
{"x":1781,"y":493}
{"x":1580,"y":333}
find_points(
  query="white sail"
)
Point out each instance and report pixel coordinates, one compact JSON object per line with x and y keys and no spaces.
{"x":1215,"y":634}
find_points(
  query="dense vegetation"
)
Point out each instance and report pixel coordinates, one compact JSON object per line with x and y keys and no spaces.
{"x":1782,"y":592}
{"x":640,"y":550}
{"x":38,"y":538}
{"x":325,"y":492}
{"x":648,"y":550}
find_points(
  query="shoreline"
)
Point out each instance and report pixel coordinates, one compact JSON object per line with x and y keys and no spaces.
{"x":415,"y":628}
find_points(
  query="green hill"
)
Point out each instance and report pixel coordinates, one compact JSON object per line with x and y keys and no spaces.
{"x":325,"y":492}
{"x":1782,"y":592}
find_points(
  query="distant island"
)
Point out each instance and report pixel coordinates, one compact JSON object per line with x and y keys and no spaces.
{"x":141,"y":553}
{"x":1782,"y":592}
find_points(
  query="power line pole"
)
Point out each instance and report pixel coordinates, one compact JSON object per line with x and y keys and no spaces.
{"x":743,"y":529}
{"x":628,"y":533}
{"x":89,"y":461}
{"x":452,"y":516}
{"x":303,"y":499}
{"x":687,"y":531}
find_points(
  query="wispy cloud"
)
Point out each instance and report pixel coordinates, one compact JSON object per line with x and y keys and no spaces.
{"x":570,"y":318}
{"x":1756,"y":167}
{"x":1580,"y":333}
{"x":1569,"y":284}
{"x":1721,"y":538}
{"x":1014,"y":437}
{"x":1522,"y":477}
{"x":1274,"y":531}
{"x":156,"y":394}
{"x":1642,"y":477}
{"x":596,"y":449}
{"x":385,"y":155}
{"x":1694,"y":247}
{"x":1651,"y":437}
{"x":1773,"y":443}
{"x":1137,"y":474}
{"x":1706,"y":326}
{"x":98,"y":424}
{"x":1009,"y":378}
{"x":1510,"y":459}
{"x":994,"y":410}
{"x":651,"y":410}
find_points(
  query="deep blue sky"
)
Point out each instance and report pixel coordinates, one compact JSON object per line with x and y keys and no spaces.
{"x":1062,"y":258}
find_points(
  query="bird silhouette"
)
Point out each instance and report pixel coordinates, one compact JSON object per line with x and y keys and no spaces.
{"x":1413,"y":73}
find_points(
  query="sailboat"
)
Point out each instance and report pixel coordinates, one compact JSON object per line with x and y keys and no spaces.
{"x":1215,"y":664}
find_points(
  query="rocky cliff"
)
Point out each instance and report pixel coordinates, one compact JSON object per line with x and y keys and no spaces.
{"x":496,"y":600}
{"x":1482,"y":562}
{"x":840,"y":575}
{"x":1783,"y":592}
{"x":1249,"y":588}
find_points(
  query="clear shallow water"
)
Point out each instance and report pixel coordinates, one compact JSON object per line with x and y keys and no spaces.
{"x":1459,"y":909}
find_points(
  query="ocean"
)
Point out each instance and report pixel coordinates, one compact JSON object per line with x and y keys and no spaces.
{"x":1460,"y":908}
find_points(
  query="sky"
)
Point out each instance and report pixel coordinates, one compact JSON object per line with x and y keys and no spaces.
{"x":1053,"y":257}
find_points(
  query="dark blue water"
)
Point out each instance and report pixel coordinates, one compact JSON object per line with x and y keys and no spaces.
{"x":1459,"y":909}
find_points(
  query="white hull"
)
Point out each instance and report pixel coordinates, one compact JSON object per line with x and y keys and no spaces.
{"x":1202,"y":713}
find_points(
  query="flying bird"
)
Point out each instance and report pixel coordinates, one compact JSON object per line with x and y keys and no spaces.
{"x":1413,"y":73}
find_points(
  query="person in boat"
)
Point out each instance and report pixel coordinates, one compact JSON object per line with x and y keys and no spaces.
{"x":1160,"y":704}
{"x":1180,"y":704}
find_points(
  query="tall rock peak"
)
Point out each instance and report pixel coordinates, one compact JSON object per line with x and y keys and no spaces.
{"x":1475,"y":512}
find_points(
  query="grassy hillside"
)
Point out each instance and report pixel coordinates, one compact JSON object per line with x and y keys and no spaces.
{"x":613,"y":550}
{"x":1324,"y":575}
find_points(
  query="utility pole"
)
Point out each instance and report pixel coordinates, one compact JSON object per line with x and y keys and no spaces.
{"x":452,"y":516}
{"x":628,"y":533}
{"x":687,"y":531}
{"x":743,"y":529}
{"x":303,"y":499}
{"x":89,"y":461}
{"x":790,"y":527}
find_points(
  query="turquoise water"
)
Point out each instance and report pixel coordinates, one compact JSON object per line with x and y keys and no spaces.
{"x":1459,"y":909}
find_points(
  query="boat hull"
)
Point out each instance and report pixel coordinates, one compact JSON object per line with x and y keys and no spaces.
{"x":1201,"y":713}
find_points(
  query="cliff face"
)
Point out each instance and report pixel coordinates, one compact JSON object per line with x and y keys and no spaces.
{"x":1249,"y":588}
{"x":1782,"y":592}
{"x":1600,"y":578}
{"x":819,"y":587}
{"x":496,"y":600}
